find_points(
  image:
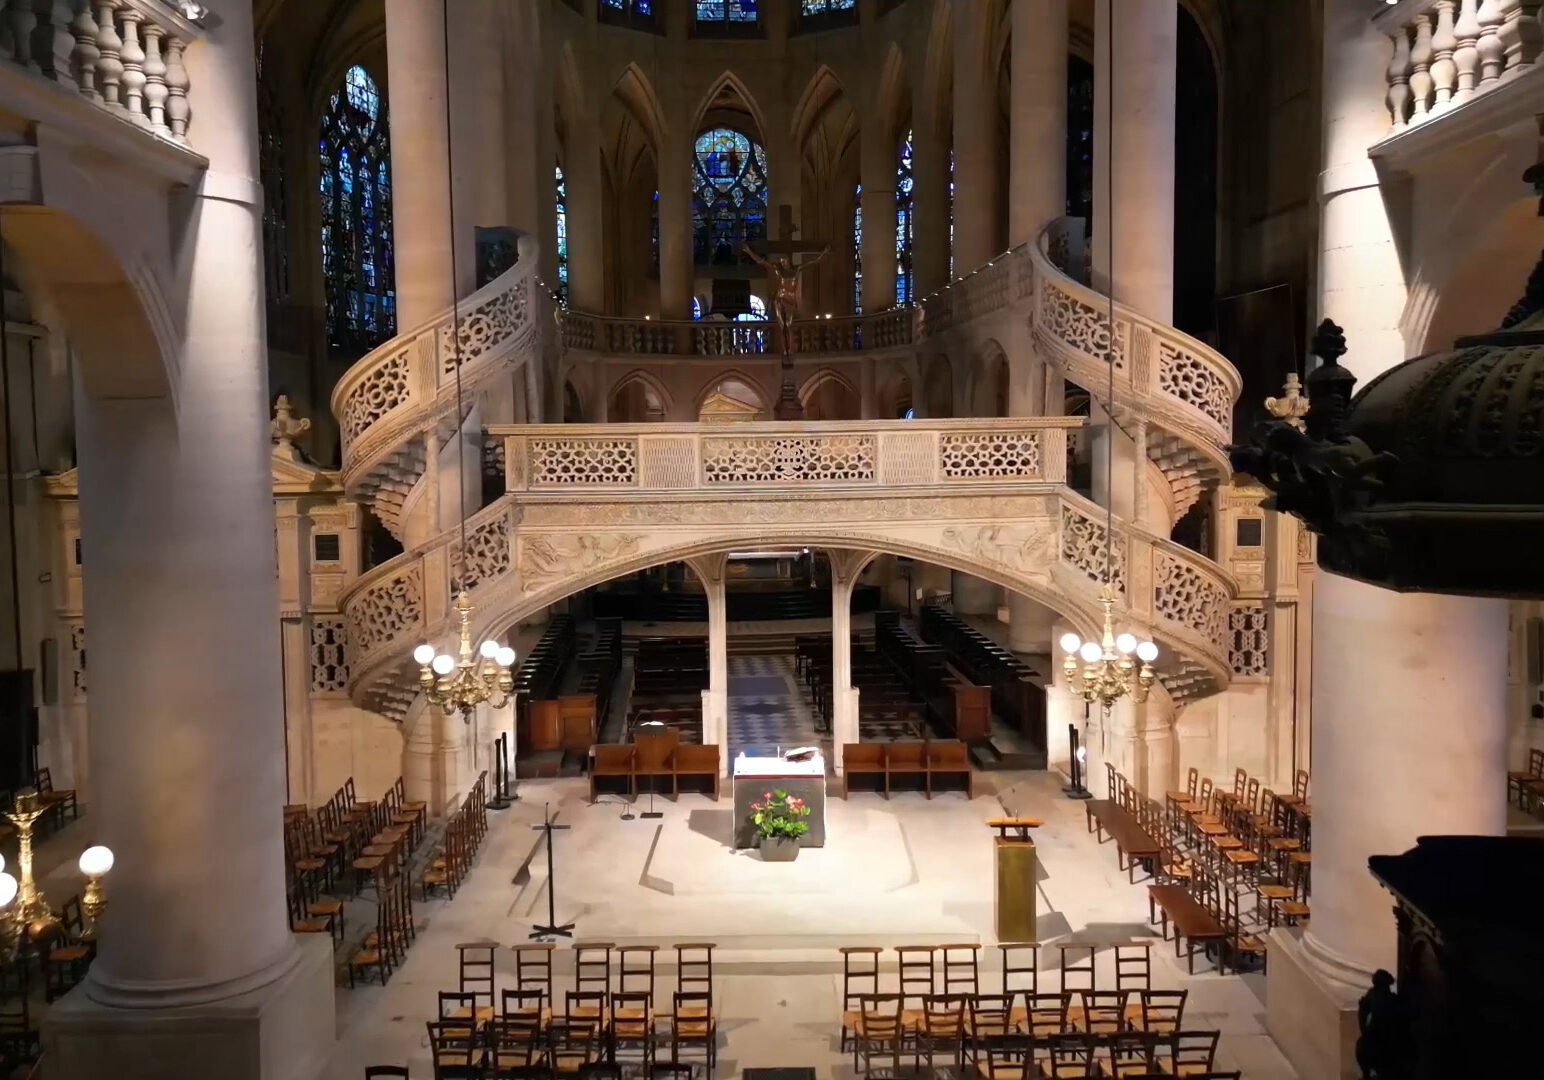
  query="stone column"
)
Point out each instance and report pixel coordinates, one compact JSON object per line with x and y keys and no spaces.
{"x":420,"y":163}
{"x":186,"y":712}
{"x":977,"y":215}
{"x":1391,"y":671}
{"x":1061,"y":709}
{"x":1037,"y":168}
{"x":715,"y":699}
{"x":868,"y":389}
{"x":878,"y":158}
{"x":846,"y":567}
{"x":586,"y":212}
{"x":1134,"y":154}
{"x":675,"y":227}
{"x":930,"y":199}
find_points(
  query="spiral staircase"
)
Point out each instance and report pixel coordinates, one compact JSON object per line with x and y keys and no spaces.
{"x":400,"y":400}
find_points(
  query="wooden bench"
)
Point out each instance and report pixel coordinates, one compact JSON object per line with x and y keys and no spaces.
{"x":657,"y":757}
{"x":922,"y":760}
{"x":1192,"y":922}
{"x":1132,"y":842}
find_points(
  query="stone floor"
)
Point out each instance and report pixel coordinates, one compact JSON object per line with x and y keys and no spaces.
{"x":904,"y":871}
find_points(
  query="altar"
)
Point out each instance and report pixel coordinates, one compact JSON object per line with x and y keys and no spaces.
{"x":760,"y":770}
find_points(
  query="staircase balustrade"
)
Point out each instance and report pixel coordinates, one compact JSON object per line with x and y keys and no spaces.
{"x":1446,"y":53}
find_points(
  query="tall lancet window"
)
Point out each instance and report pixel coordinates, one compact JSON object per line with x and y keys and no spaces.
{"x":951,"y":215}
{"x":905,"y":226}
{"x":730,"y":207}
{"x":857,"y":249}
{"x":357,"y":264}
{"x":270,"y":159}
{"x":560,"y":200}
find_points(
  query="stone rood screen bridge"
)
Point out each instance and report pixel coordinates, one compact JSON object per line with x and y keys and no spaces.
{"x":585,"y":503}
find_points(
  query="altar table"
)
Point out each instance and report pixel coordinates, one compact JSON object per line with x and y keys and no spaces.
{"x":755,"y":774}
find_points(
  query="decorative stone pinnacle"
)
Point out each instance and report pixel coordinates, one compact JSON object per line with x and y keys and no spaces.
{"x":1292,"y":406}
{"x":285,"y":426}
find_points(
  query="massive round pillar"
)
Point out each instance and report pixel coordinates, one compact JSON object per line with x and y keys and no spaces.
{"x":187,"y":730}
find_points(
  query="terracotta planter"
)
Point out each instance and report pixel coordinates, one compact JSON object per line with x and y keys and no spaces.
{"x":778,"y":849}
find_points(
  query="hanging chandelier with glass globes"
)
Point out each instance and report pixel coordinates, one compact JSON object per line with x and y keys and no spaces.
{"x":1103,"y":671}
{"x":473,"y":677}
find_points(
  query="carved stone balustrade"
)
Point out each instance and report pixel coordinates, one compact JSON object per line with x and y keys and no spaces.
{"x":125,"y":56}
{"x":1446,"y":53}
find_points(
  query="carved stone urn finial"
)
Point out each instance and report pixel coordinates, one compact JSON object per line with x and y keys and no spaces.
{"x":285,"y":427}
{"x":1292,"y":406}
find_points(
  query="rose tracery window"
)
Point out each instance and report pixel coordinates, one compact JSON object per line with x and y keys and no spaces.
{"x":357,"y":264}
{"x":730,"y":203}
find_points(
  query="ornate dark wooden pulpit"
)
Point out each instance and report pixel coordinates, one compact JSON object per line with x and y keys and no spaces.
{"x":1471,"y":953}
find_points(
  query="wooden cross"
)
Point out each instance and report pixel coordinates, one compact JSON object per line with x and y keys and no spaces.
{"x":786,"y":244}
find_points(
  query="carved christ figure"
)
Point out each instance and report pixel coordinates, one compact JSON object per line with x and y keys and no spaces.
{"x":785,"y":300}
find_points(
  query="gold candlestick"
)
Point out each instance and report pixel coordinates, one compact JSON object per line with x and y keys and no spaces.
{"x":95,"y":862}
{"x":31,"y":913}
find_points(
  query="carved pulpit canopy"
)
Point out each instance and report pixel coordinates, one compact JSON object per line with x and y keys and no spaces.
{"x":1429,"y":479}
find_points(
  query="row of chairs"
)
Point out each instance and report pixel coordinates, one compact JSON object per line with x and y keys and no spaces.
{"x":464,"y":833}
{"x":1526,"y":787}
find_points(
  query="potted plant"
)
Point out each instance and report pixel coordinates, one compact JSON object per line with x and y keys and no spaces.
{"x":779,"y":819}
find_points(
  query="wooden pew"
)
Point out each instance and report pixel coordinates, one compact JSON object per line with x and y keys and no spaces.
{"x":1192,"y":922}
{"x":922,"y":760}
{"x":1132,"y":842}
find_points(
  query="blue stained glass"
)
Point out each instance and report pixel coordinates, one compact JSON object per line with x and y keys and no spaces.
{"x":857,"y":248}
{"x":696,"y":308}
{"x":560,"y":196}
{"x":905,"y":225}
{"x":355,"y":187}
{"x":730,"y":205}
{"x":733,"y":11}
{"x":757,"y":313}
{"x":821,"y":7}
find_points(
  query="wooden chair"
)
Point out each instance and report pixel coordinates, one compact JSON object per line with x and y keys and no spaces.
{"x":528,"y":1005}
{"x":374,"y":953}
{"x":456,"y":1050}
{"x":860,"y":975}
{"x":1077,"y":967}
{"x":476,"y":973}
{"x":515,"y":1046}
{"x":58,"y":802}
{"x":988,"y":1016}
{"x":694,"y":970}
{"x":959,"y":969}
{"x":1070,"y":1055}
{"x":1161,"y":1012}
{"x":573,"y":1046}
{"x":1100,"y":1012}
{"x":692,"y":1025}
{"x":1192,"y":1052}
{"x":1048,"y":1014}
{"x":917,"y":976}
{"x":1021,"y":971}
{"x":863,"y":759}
{"x":632,"y":1025}
{"x":879,"y":1033}
{"x":1005,"y":1057}
{"x":533,"y":970}
{"x":941,"y":1030}
{"x":67,"y":962}
{"x":1129,"y":1054}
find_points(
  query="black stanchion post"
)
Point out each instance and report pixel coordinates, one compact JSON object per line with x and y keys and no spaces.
{"x":500,"y":800}
{"x":1076,"y":790}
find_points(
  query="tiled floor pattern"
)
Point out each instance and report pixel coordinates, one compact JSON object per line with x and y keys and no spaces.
{"x":767,"y":707}
{"x":896,"y":872}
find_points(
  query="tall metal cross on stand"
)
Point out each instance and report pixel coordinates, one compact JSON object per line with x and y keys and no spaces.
{"x":783,"y":274}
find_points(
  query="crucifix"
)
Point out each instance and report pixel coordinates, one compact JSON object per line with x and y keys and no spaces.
{"x":784,"y":272}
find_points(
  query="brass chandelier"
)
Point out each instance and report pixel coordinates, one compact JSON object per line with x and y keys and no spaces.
{"x":1107,"y":671}
{"x":480,"y":675}
{"x":471,"y":678}
{"x":1103,"y":671}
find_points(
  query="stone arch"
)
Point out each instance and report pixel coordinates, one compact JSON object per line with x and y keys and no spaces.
{"x":505,"y":608}
{"x":895,"y":393}
{"x":827,"y":392}
{"x":932,"y":114}
{"x":116,"y":318}
{"x":573,"y":405}
{"x":635,"y":93}
{"x":938,"y":386}
{"x":729,"y":92}
{"x":988,"y":394}
{"x":823,"y":91}
{"x":643,"y":383}
{"x":891,"y":104}
{"x":763,"y":400}
{"x":568,"y":103}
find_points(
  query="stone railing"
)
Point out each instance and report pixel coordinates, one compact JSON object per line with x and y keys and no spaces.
{"x":711,"y":337}
{"x":126,"y":56}
{"x":1185,"y":385}
{"x":396,"y":391}
{"x":1448,"y":52}
{"x":886,"y":454}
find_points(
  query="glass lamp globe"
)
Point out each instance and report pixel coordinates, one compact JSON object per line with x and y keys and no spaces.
{"x":1126,"y":643}
{"x":1090,"y":652}
{"x":423,"y":654}
{"x":96,"y":861}
{"x":444,"y":664}
{"x":505,"y":657}
{"x":1147,"y":652}
{"x":488,"y":649}
{"x":1070,"y":642}
{"x":8,"y":889}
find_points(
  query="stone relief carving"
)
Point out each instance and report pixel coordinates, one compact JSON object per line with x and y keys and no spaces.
{"x":1027,"y":549}
{"x":545,"y":560}
{"x":785,"y":509}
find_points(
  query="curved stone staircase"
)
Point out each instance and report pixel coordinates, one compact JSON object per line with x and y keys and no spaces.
{"x":1173,"y":389}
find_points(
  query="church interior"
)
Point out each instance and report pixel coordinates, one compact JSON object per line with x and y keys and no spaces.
{"x":794,"y":538}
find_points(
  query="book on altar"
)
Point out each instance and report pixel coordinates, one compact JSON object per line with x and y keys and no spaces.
{"x":801,"y":753}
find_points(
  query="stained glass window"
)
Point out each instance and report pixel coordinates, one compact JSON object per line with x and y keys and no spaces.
{"x":654,"y":236}
{"x":726,"y":11}
{"x":696,"y":308}
{"x":951,"y":215}
{"x":635,"y":13}
{"x":857,"y":248}
{"x":757,"y":313}
{"x":730,"y":205}
{"x":357,"y":263}
{"x":560,"y":196}
{"x":825,"y":14}
{"x":1080,"y":137}
{"x":905,"y":226}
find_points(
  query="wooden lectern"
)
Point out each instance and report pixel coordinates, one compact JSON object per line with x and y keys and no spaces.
{"x":1014,"y":896}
